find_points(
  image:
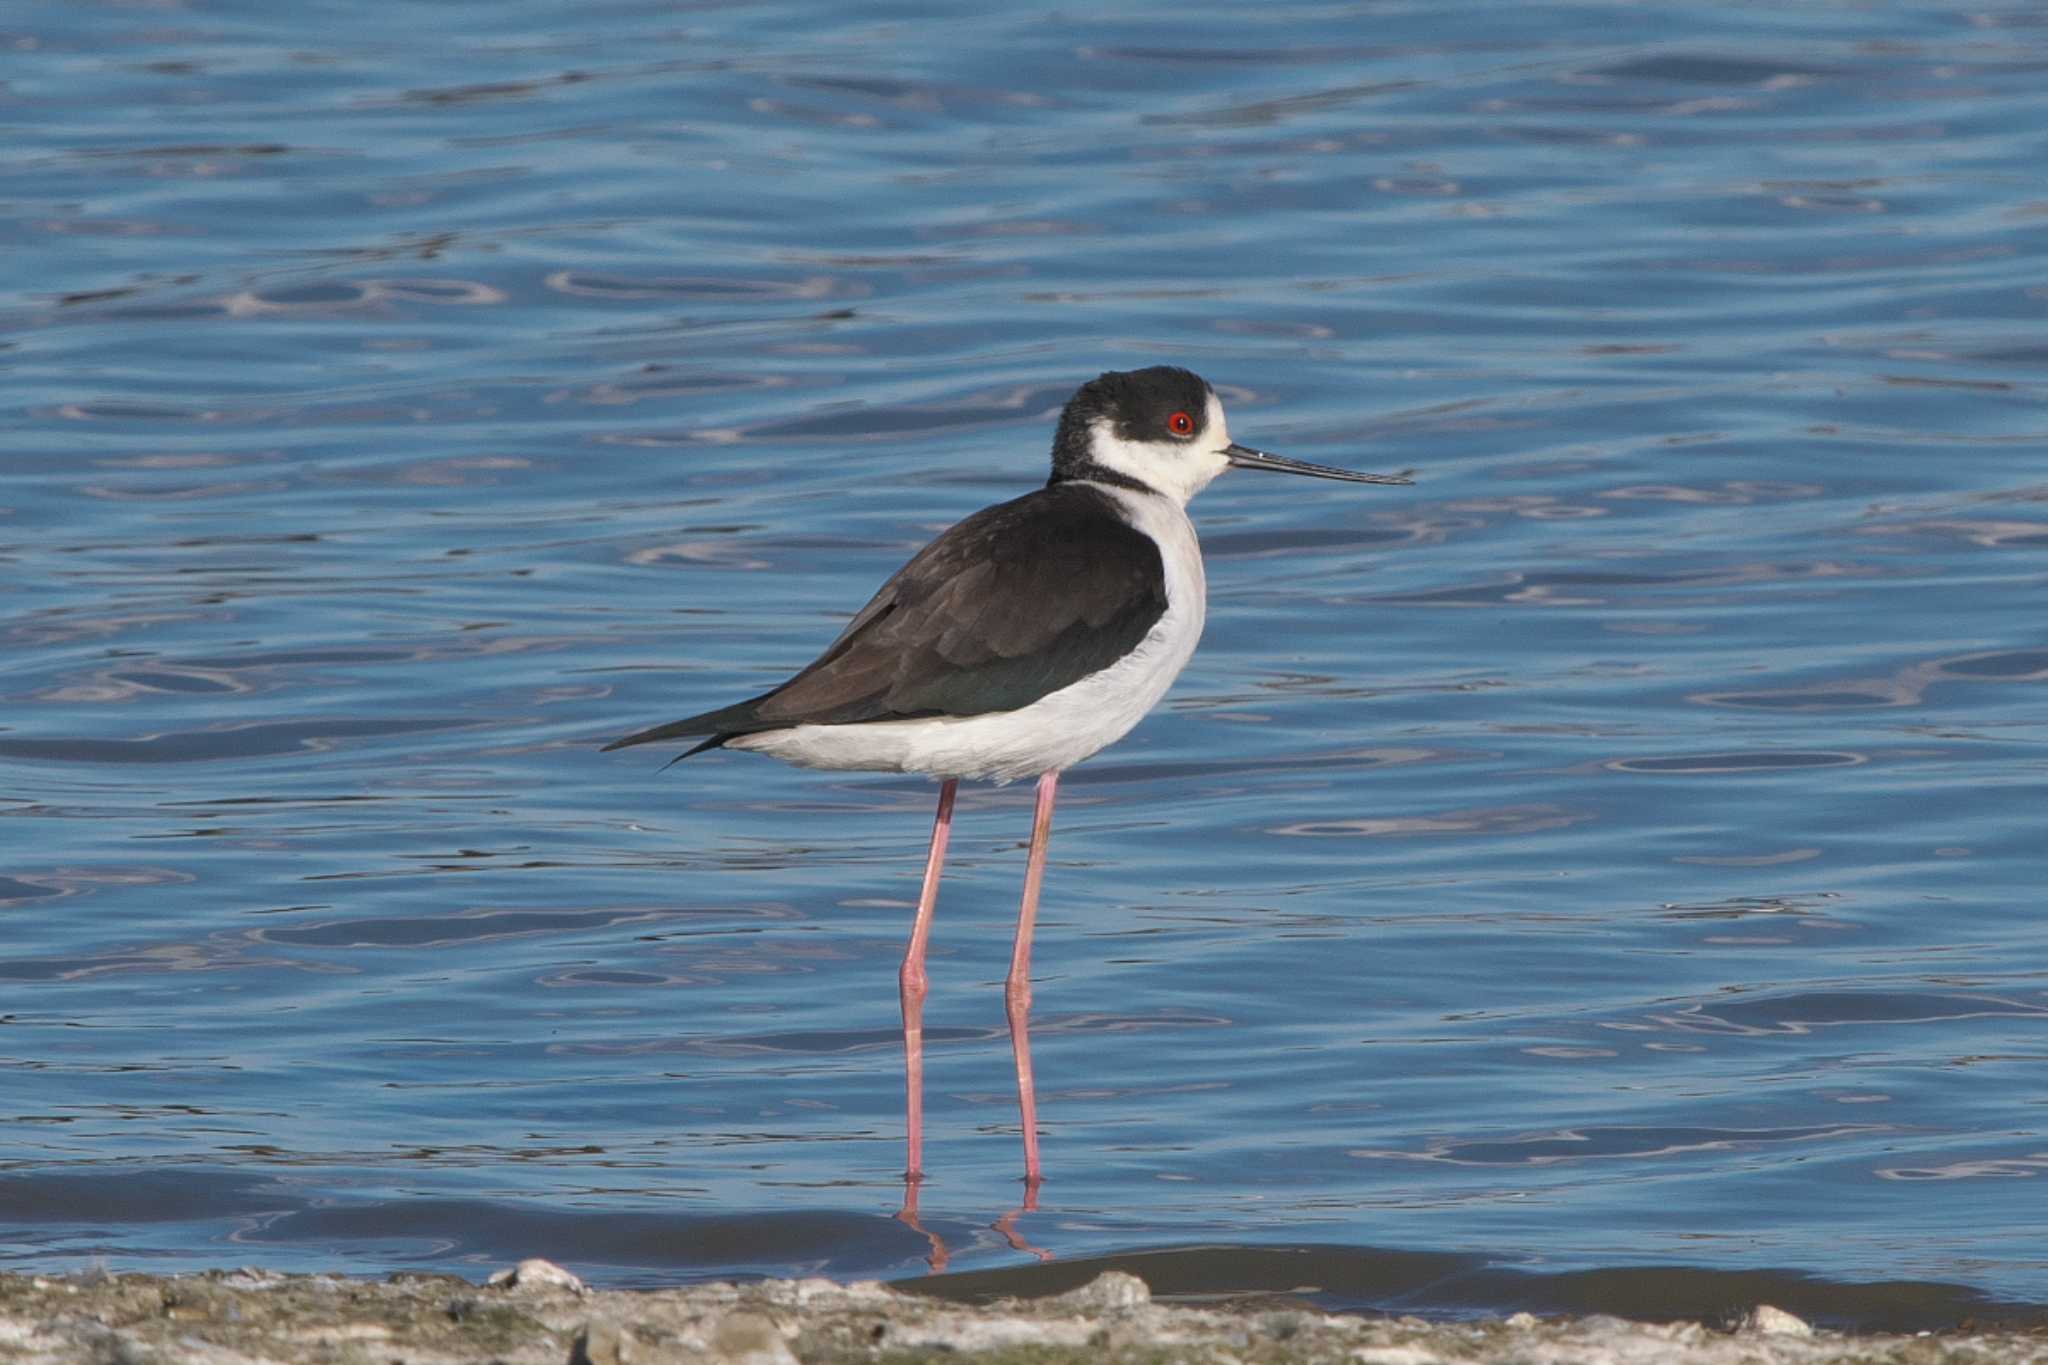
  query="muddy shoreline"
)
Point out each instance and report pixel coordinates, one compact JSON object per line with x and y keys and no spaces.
{"x":542,"y":1315}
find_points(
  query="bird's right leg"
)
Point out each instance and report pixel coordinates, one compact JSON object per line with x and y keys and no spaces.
{"x":914,"y":985}
{"x":1017,"y":989}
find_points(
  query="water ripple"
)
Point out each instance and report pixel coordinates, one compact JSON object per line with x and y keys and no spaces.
{"x":1626,"y":837}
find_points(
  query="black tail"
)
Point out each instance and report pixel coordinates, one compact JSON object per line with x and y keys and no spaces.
{"x":666,"y":732}
{"x":728,"y":722}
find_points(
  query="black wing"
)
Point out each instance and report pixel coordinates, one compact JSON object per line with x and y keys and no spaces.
{"x":1019,"y":600}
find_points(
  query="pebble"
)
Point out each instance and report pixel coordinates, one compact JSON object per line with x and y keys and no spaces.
{"x":534,"y":1273}
{"x":1775,"y":1322}
{"x":1113,"y":1291}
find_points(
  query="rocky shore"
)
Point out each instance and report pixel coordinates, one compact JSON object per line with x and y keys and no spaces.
{"x":538,"y":1314}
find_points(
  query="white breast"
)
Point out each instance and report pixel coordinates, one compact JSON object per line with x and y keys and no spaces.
{"x":1059,"y":729}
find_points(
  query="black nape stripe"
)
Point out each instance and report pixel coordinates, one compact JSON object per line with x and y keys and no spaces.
{"x":1092,"y":472}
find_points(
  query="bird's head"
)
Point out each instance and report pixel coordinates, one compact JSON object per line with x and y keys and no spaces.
{"x":1162,"y":429}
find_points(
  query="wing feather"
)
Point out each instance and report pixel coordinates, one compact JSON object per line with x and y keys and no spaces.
{"x":1018,"y":600}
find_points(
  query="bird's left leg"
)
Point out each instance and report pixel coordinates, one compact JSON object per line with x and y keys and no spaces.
{"x":1017,"y":991}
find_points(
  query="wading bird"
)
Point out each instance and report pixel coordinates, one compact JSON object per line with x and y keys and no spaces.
{"x":1016,"y":644}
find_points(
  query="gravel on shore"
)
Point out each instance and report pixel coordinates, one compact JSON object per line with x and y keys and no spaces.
{"x":539,"y":1314}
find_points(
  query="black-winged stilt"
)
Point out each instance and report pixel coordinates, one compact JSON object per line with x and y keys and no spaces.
{"x":1016,"y":644}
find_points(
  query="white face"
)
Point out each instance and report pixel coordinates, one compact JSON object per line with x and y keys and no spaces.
{"x":1178,"y":468}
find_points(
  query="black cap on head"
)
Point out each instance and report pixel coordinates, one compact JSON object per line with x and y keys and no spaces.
{"x":1138,"y":405}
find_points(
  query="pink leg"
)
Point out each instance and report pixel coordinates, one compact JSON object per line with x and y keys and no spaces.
{"x":1017,"y":991}
{"x":914,"y":985}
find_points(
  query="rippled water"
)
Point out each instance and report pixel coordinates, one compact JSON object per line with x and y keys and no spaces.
{"x":1613,"y":864}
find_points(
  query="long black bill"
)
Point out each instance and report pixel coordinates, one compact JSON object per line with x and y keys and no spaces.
{"x":1244,"y":457}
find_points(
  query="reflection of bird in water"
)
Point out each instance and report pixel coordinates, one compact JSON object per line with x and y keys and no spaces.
{"x":1004,"y":1227}
{"x":1016,"y":644}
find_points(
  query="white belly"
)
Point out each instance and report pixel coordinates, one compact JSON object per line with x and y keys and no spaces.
{"x":1054,"y":732}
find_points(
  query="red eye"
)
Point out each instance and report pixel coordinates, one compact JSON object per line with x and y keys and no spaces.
{"x":1180,"y":424}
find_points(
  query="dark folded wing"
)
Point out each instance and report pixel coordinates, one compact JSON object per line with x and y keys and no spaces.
{"x":1019,"y":600}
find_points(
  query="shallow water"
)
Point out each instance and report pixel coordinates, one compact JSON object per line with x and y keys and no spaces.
{"x":1621,"y":850}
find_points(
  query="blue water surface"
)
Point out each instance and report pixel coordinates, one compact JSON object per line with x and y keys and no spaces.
{"x":1625,"y":848}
